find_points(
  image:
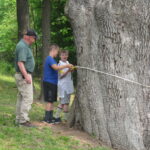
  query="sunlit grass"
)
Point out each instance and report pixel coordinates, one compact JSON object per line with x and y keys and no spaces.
{"x":7,"y":78}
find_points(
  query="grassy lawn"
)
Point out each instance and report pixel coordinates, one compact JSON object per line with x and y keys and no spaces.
{"x":13,"y":137}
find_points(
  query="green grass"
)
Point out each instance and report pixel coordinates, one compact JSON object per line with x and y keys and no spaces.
{"x":13,"y":137}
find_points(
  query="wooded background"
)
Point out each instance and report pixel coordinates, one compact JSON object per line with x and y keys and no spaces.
{"x":46,"y":17}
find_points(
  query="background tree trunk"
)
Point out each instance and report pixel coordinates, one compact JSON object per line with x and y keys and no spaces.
{"x":45,"y":34}
{"x":113,"y":36}
{"x":45,"y":27}
{"x":22,"y":17}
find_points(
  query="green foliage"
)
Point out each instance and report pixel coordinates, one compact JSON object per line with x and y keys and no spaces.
{"x":61,"y":31}
{"x":8,"y":27}
{"x":6,"y":68}
{"x":8,"y":36}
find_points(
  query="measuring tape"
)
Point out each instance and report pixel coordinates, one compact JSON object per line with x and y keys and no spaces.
{"x":112,"y":75}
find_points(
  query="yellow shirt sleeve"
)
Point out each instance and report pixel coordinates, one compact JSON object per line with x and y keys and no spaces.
{"x":61,"y":72}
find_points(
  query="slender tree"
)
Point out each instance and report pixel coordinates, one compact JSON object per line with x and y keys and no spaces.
{"x":113,"y":36}
{"x":45,"y":27}
{"x":22,"y":16}
{"x":45,"y":33}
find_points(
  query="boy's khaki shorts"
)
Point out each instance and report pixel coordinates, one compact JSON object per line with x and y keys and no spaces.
{"x":65,"y":99}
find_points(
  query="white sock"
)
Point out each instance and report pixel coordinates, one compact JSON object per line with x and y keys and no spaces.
{"x":58,"y":112}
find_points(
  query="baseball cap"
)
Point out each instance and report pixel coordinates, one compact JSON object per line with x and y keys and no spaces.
{"x":31,"y":32}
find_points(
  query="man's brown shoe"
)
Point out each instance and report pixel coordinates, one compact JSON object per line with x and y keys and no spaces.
{"x":27,"y":124}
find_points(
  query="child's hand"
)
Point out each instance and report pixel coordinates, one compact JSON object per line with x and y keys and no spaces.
{"x":70,"y":66}
{"x":72,"y":69}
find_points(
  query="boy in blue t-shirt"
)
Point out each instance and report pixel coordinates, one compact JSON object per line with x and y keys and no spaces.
{"x":50,"y":80}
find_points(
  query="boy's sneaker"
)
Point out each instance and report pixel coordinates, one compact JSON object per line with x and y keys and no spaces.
{"x":49,"y":121}
{"x":58,"y":120}
{"x":45,"y":121}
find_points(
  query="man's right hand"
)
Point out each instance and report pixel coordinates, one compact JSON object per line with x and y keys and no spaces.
{"x":27,"y":76}
{"x":28,"y":79}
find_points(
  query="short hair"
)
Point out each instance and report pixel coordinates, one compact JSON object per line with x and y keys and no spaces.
{"x":53,"y":46}
{"x":64,"y":52}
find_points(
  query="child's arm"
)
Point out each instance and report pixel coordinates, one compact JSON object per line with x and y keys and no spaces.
{"x":56,"y":67}
{"x":64,"y":74}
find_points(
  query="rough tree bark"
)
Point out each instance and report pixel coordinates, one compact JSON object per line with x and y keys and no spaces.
{"x":22,"y":17}
{"x":113,"y":36}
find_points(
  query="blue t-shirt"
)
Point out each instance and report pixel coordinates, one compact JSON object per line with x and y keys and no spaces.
{"x":50,"y":75}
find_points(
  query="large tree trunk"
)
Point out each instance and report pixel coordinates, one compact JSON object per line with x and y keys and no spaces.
{"x":113,"y":36}
{"x":22,"y":17}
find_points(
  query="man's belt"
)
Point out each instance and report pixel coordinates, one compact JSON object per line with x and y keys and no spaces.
{"x":29,"y":72}
{"x":22,"y":74}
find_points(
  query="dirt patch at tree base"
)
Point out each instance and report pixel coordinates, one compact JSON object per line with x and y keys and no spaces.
{"x":63,"y":129}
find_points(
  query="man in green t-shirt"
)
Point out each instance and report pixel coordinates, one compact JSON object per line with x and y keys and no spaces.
{"x":24,"y":65}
